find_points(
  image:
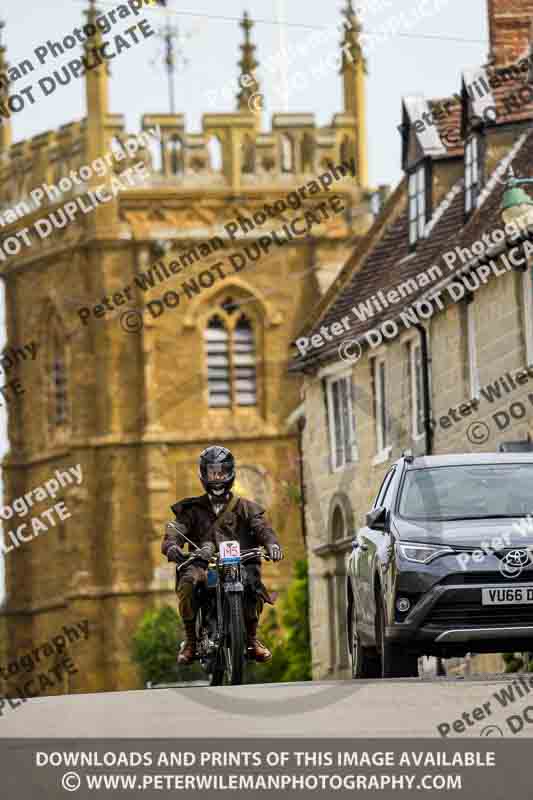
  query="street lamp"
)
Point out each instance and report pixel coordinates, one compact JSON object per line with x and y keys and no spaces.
{"x":516,"y":203}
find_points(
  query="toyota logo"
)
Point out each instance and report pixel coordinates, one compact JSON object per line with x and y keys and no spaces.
{"x":514,"y":562}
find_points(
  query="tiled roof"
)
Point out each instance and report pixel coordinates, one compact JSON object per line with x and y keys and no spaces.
{"x":388,"y":264}
{"x":509,"y":87}
{"x":449,"y":124}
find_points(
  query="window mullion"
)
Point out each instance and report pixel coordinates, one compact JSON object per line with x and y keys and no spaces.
{"x":232,"y":376}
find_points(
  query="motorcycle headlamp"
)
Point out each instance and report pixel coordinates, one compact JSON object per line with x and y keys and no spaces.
{"x":421,"y":553}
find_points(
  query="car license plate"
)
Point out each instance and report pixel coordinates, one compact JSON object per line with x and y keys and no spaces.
{"x":508,"y":595}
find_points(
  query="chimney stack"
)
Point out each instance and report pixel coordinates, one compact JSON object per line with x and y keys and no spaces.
{"x":509,"y":29}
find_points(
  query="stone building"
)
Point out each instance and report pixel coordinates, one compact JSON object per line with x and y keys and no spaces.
{"x":159,"y":332}
{"x":434,"y":312}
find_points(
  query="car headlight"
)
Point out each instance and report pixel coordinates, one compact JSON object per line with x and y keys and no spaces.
{"x":422,"y":553}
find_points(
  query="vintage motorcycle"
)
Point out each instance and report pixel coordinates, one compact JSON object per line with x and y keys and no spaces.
{"x":220,"y":629}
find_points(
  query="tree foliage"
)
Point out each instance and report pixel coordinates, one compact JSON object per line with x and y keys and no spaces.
{"x":518,"y":662}
{"x":155,"y":643}
{"x":286,"y":634}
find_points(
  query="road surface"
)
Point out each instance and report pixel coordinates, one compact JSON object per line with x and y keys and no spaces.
{"x":408,"y":707}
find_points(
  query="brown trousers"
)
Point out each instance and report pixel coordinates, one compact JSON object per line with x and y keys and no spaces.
{"x":194,"y":575}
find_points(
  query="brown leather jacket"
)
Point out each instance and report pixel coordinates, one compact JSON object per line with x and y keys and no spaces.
{"x":246,"y":524}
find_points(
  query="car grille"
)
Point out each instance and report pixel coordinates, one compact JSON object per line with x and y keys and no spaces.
{"x":463,"y":615}
{"x":466,"y":578}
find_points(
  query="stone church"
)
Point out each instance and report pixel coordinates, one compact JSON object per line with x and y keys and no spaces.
{"x":134,"y":404}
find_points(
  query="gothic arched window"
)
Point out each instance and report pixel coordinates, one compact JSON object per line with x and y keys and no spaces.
{"x":156,"y":152}
{"x":308,"y":153}
{"x":231,"y":358}
{"x":60,"y":388}
{"x":214,"y":148}
{"x":287,"y":153}
{"x":337,"y":525}
{"x":248,"y":156}
{"x":346,"y":149}
{"x":176,"y":155}
{"x":58,"y":165}
{"x":58,"y":393}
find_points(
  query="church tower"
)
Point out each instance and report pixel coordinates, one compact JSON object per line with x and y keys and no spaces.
{"x":163,"y":319}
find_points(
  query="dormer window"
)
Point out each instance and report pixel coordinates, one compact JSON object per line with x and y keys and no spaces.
{"x":472,"y":179}
{"x":417,"y":203}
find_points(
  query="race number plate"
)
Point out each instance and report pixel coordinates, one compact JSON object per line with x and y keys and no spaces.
{"x":508,"y":595}
{"x":230,"y":552}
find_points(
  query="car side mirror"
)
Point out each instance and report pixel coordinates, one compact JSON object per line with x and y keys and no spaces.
{"x":377,"y":519}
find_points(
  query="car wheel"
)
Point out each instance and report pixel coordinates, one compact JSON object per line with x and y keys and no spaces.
{"x":365,"y":662}
{"x":395,"y":661}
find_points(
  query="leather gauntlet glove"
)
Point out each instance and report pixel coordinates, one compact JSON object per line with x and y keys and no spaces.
{"x":205,"y":552}
{"x":274,"y":551}
{"x":174,"y":552}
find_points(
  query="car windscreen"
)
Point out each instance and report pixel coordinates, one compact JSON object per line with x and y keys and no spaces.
{"x":467,"y":491}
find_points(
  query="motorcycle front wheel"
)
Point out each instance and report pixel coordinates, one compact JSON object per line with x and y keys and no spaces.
{"x":219,"y":669}
{"x":234,"y":645}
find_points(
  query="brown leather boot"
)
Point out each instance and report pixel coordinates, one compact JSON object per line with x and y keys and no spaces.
{"x":255,"y":649}
{"x":188,"y":648}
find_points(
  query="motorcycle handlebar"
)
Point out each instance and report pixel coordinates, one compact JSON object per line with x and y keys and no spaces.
{"x":256,"y":552}
{"x":246,"y":555}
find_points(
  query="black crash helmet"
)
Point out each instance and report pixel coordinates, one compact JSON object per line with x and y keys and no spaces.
{"x":217,"y":470}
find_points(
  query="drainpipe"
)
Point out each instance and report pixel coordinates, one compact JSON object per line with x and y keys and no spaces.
{"x":297,"y":418}
{"x":301,"y":426}
{"x":440,"y":668}
{"x":427,"y":398}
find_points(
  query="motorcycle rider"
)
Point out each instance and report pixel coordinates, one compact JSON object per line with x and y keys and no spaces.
{"x":215,"y":516}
